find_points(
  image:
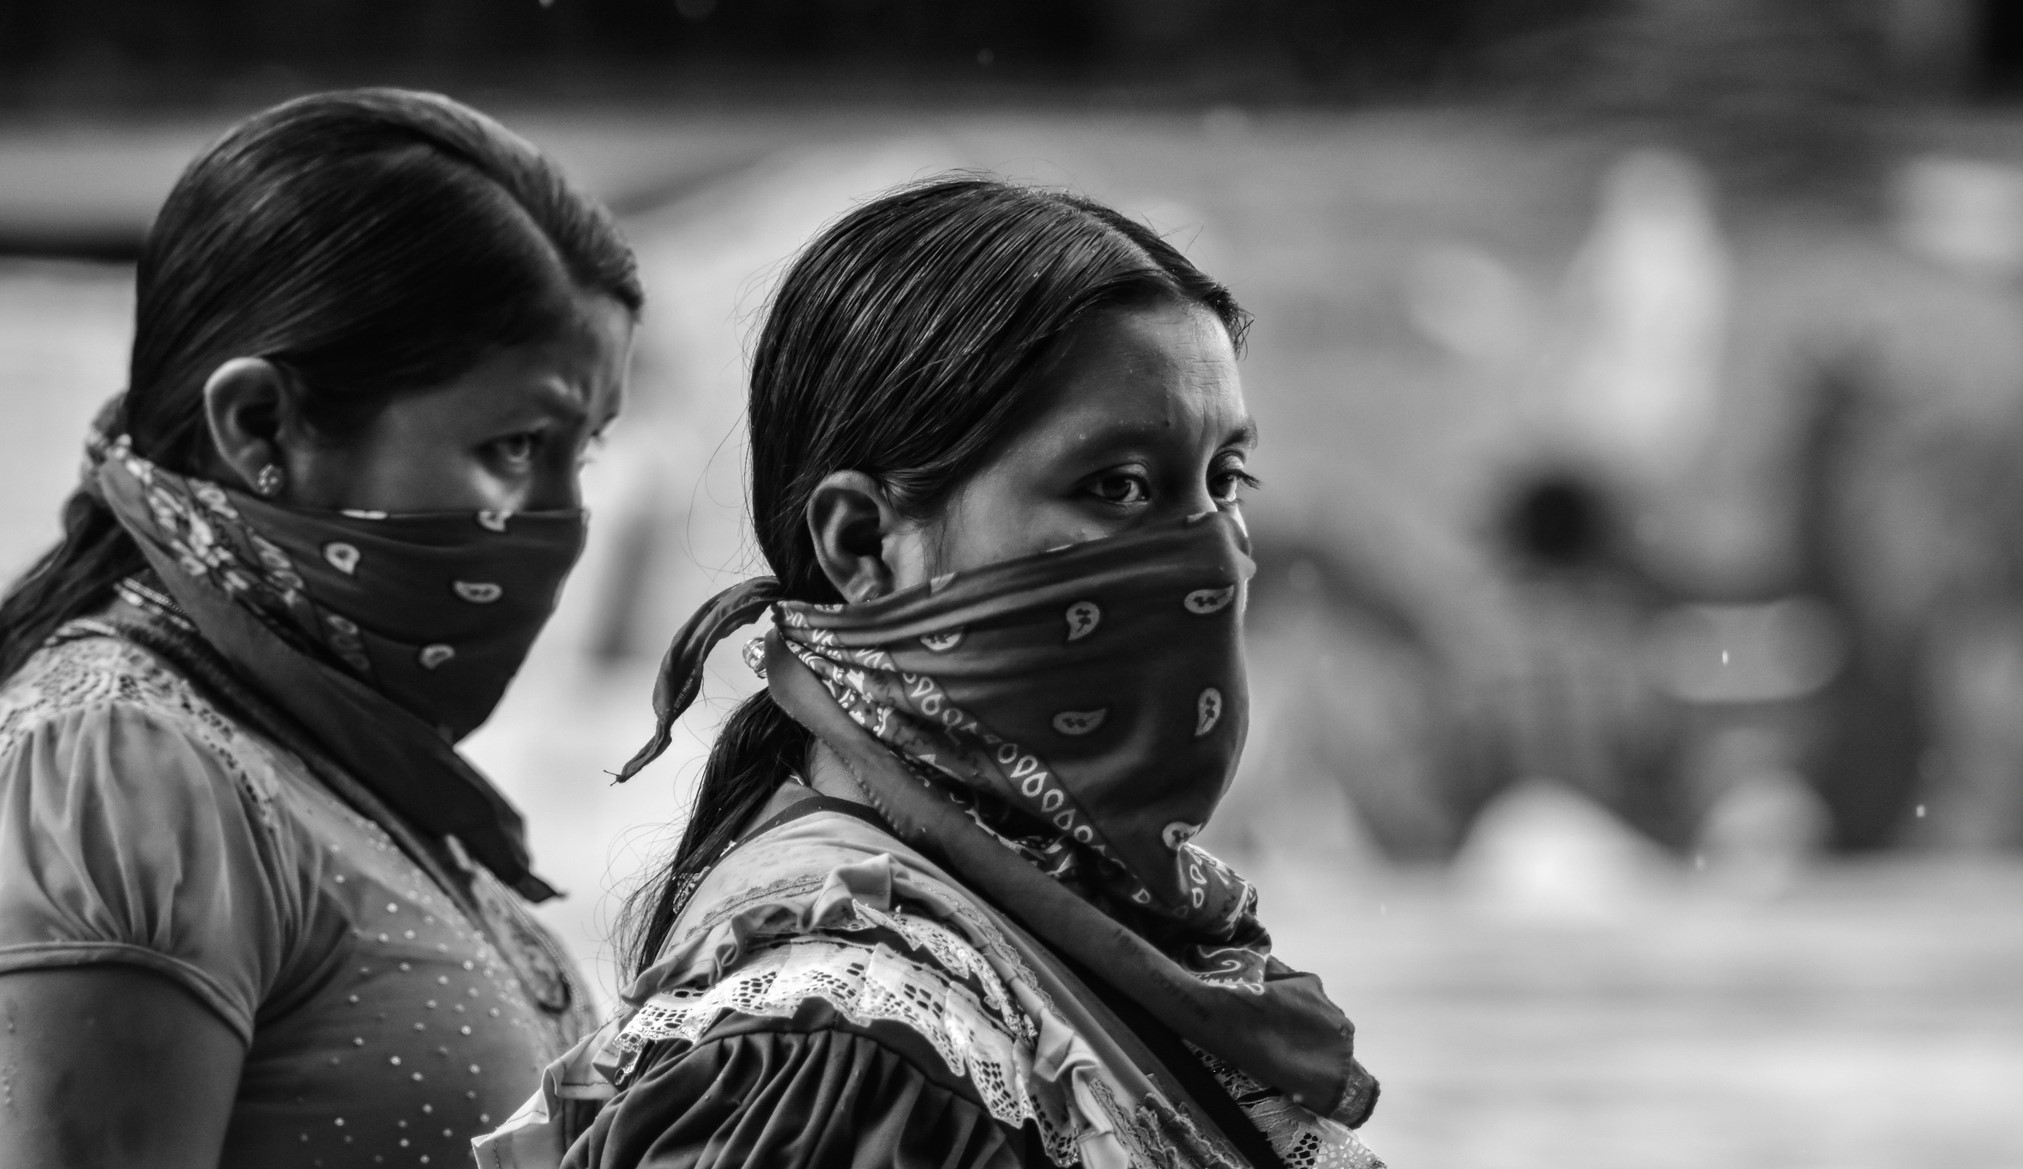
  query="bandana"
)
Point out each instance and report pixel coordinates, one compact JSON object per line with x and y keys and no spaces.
{"x":436,"y":611}
{"x":1090,"y":700}
{"x":387,"y":637}
{"x":1057,"y":727}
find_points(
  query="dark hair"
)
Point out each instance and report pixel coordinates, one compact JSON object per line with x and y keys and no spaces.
{"x":902,"y":343}
{"x":372,"y":243}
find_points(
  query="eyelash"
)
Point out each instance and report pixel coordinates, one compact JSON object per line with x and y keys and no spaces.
{"x":1095,"y":488}
{"x":1243,"y":480}
{"x":532,"y":439}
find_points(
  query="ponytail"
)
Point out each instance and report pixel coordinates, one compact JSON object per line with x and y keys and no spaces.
{"x":74,"y":578}
{"x":757,"y":745}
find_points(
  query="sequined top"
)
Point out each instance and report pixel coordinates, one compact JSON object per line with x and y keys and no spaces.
{"x":394,"y":999}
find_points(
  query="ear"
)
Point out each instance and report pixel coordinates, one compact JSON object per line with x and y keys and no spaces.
{"x":248,"y":410}
{"x":852,"y":522}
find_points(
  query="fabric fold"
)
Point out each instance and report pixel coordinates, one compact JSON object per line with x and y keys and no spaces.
{"x":680,"y":676}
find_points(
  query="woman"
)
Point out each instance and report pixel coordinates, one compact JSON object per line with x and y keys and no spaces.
{"x":254,"y":908}
{"x":937,"y":904}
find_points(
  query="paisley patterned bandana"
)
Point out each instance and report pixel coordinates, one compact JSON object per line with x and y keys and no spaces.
{"x":1087,"y":706}
{"x":435,"y":611}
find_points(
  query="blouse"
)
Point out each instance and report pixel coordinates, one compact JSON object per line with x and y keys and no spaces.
{"x":387,"y":1019}
{"x":805,"y":1086}
{"x":829,"y":998}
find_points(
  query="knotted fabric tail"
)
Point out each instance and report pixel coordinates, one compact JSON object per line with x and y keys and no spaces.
{"x":680,"y":677}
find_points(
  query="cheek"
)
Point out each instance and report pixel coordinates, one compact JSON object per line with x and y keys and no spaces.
{"x":986,"y":527}
{"x":430,"y":480}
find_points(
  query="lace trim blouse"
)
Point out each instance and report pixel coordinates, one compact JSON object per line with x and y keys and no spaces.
{"x":827,"y":1000}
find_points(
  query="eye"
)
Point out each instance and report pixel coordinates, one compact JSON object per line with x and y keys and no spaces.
{"x":1228,"y":483}
{"x":1121,"y":488}
{"x":516,"y":450}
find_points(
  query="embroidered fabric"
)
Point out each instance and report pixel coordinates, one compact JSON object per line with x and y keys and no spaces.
{"x":873,"y":983}
{"x":99,"y":669}
{"x":1301,"y":1139}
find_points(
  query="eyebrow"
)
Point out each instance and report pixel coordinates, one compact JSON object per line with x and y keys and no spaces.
{"x":546,"y":397}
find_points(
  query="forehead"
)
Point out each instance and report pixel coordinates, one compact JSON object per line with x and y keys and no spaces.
{"x":579,"y":372}
{"x":1165,"y":367}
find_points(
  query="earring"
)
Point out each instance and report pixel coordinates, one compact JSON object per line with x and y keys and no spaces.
{"x":270,"y":481}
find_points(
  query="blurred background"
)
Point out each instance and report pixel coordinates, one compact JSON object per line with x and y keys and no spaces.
{"x":1638,"y":638}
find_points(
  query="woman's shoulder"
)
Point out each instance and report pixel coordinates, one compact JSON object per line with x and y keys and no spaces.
{"x":810,"y":1089}
{"x":98,"y":735}
{"x":795,"y":974}
{"x":98,"y":710}
{"x":87,"y":684}
{"x":74,"y":673}
{"x":905,"y":979}
{"x":809,"y":1010}
{"x":138,"y":827}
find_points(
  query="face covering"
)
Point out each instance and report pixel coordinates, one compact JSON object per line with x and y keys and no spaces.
{"x":434,"y":611}
{"x":1092,"y":699}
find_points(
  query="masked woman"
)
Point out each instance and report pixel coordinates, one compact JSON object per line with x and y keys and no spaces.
{"x":254,"y":908}
{"x":937,"y":903}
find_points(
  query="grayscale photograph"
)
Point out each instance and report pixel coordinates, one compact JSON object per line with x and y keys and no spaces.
{"x":1011,"y":584}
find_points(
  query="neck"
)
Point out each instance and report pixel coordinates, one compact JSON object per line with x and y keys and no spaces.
{"x":823,"y":774}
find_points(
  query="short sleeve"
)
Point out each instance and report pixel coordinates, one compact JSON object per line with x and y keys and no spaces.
{"x":813,"y":1094}
{"x":125,"y":838}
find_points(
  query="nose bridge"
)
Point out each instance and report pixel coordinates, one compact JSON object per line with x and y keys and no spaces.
{"x":558,"y":484}
{"x":1198,"y":497}
{"x":1192,"y":497}
{"x":1207,"y":420}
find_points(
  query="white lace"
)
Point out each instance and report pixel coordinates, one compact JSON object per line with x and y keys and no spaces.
{"x":1300,"y":1138}
{"x":988,"y":1034}
{"x":992,"y":1046}
{"x":951,"y":950}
